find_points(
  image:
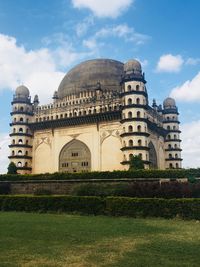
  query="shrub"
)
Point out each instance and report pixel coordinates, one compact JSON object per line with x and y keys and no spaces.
{"x":114,"y":206}
{"x":171,"y":189}
{"x":12,"y":168}
{"x":4,"y":188}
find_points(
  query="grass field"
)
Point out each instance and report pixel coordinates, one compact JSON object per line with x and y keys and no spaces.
{"x":87,"y":241}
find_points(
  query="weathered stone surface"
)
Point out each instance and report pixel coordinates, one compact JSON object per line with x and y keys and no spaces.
{"x":86,"y":75}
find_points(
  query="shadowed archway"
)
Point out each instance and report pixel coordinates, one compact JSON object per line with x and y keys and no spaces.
{"x":153,"y":156}
{"x":75,"y":156}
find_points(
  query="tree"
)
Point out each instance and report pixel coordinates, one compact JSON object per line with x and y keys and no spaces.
{"x":12,"y":168}
{"x":136,"y":163}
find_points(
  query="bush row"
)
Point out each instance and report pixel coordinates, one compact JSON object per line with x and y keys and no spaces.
{"x":114,"y":206}
{"x":173,"y":174}
{"x":172,"y":189}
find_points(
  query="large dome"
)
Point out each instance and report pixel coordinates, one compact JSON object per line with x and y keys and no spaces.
{"x":86,"y":75}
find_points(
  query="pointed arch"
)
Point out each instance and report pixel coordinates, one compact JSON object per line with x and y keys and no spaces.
{"x":75,"y":156}
{"x":153,"y":156}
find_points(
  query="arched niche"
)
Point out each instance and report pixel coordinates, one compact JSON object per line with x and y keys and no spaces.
{"x":153,"y":156}
{"x":75,"y":156}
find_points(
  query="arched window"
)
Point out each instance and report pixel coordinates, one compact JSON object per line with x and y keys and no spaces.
{"x":20,"y":130}
{"x":171,"y":166}
{"x":169,"y":136}
{"x":70,"y":114}
{"x":26,"y":153}
{"x":75,"y":114}
{"x":84,"y":112}
{"x":169,"y":146}
{"x":175,"y":137}
{"x":13,"y":153}
{"x":13,"y":141}
{"x":20,"y":141}
{"x":129,"y":88}
{"x":15,"y":119}
{"x":19,"y":164}
{"x":124,"y":143}
{"x":168,"y":127}
{"x":129,"y":114}
{"x":130,"y":143}
{"x":177,"y":166}
{"x":129,"y":101}
{"x":130,"y":128}
{"x":79,"y":113}
{"x":21,"y":119}
{"x":26,"y":164}
{"x":176,"y":156}
{"x":140,"y":154}
{"x":137,"y":87}
{"x":21,"y":109}
{"x":90,"y":111}
{"x":168,"y":118}
{"x":170,"y":156}
{"x":19,"y":152}
{"x":61,"y":116}
{"x":137,"y":101}
{"x":139,"y":128}
{"x":94,"y":111}
{"x":14,"y":130}
{"x":26,"y":142}
{"x":174,"y":127}
{"x":175,"y":146}
{"x":139,"y":142}
{"x":138,"y":114}
{"x":130,"y":156}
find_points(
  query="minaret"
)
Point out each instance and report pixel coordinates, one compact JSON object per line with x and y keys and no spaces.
{"x":21,"y":136}
{"x":172,"y":140}
{"x":134,"y":119}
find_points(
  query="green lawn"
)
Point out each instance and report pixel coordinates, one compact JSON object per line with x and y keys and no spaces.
{"x":87,"y":241}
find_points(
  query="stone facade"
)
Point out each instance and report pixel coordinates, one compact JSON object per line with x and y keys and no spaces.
{"x":99,"y":118}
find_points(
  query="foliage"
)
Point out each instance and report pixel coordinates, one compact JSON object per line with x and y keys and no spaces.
{"x":136,"y":163}
{"x":115,"y":206}
{"x":12,"y":168}
{"x":147,"y":174}
{"x":171,"y":189}
{"x":4,"y":188}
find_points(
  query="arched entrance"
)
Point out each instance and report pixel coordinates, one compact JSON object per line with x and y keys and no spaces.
{"x":152,"y":156}
{"x":75,"y":157}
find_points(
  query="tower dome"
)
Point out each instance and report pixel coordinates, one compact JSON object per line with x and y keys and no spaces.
{"x":22,"y":91}
{"x":133,"y":68}
{"x":169,"y":103}
{"x":132,"y":65}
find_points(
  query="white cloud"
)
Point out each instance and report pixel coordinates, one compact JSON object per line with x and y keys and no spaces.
{"x":83,"y":27}
{"x":188,"y":91}
{"x":123,"y":31}
{"x":170,"y":63}
{"x":37,"y":69}
{"x":192,"y":61}
{"x":190,"y":144}
{"x":4,"y":152}
{"x":104,"y":8}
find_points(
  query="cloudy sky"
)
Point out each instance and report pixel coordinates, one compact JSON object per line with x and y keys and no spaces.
{"x":41,"y":40}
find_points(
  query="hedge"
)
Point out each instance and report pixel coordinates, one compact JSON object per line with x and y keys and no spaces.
{"x":114,"y":206}
{"x":147,"y":189}
{"x":172,"y":174}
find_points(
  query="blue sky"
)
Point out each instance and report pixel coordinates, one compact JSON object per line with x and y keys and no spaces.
{"x":41,"y":40}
